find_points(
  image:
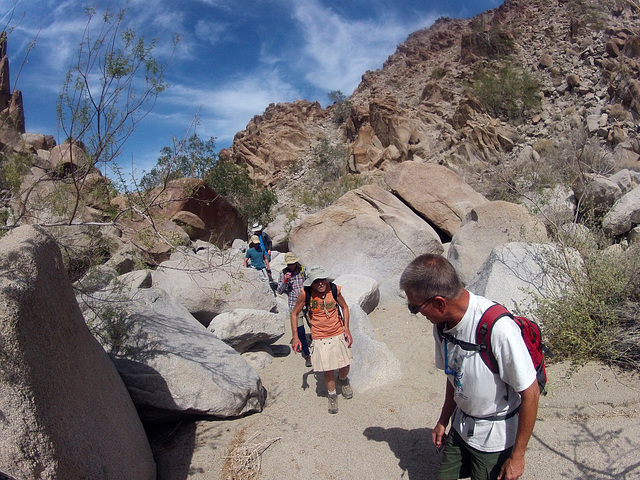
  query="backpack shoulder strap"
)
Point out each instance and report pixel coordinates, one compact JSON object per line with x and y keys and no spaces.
{"x":307,"y":297}
{"x":334,"y":292}
{"x":483,"y":334}
{"x":472,"y":347}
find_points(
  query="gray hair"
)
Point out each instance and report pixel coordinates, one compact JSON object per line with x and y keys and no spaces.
{"x":431,"y":275}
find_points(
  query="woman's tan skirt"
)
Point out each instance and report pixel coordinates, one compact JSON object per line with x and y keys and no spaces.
{"x":330,"y":353}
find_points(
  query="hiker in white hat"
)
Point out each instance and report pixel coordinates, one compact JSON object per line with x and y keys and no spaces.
{"x":265,"y":240}
{"x":291,"y":281}
{"x":331,"y":339}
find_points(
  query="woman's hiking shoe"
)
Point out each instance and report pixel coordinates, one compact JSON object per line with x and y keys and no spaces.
{"x":347,"y":391}
{"x":307,"y":361}
{"x":333,"y":403}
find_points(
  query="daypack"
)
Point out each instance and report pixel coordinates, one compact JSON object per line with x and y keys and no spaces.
{"x":307,"y":302}
{"x":531,"y":335}
{"x":300,"y":268}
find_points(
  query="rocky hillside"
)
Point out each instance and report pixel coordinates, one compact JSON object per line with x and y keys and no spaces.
{"x":424,"y":103}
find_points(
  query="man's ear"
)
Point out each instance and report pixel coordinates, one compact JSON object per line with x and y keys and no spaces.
{"x":439,"y":303}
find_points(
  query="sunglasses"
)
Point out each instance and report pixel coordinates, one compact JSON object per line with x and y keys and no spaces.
{"x":414,"y":309}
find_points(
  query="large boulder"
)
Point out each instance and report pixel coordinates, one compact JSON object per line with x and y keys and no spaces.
{"x":363,"y":290}
{"x":487,"y":226}
{"x":178,"y":204}
{"x":367,"y":232}
{"x":65,"y":410}
{"x":209,"y":284}
{"x":173,"y":367}
{"x":68,"y":157}
{"x":45,"y":198}
{"x":279,"y":229}
{"x":243,"y":328}
{"x":596,"y":194}
{"x":376,"y":364}
{"x":518,"y":274}
{"x":624,"y":215}
{"x":436,"y":192}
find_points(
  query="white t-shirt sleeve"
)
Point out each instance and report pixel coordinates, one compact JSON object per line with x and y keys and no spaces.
{"x":514,"y":362}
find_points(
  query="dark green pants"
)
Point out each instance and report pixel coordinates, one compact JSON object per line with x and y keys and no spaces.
{"x":462,"y":461}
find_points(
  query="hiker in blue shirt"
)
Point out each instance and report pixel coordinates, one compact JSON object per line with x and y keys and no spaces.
{"x":256,"y":258}
{"x":265,"y":240}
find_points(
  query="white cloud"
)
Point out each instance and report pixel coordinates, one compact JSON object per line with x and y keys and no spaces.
{"x":168,"y":20}
{"x":226,"y":109}
{"x":209,"y":31}
{"x":339,"y":50}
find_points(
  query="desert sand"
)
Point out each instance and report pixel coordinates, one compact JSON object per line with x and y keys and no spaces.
{"x":588,"y":425}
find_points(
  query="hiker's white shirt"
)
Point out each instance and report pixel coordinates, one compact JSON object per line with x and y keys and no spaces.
{"x":477,"y":391}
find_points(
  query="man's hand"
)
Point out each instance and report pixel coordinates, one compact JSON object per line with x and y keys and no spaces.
{"x":512,"y":469}
{"x":439,"y":435}
{"x":296,"y":345}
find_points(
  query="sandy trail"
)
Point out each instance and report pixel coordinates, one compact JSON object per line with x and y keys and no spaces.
{"x":588,"y":425}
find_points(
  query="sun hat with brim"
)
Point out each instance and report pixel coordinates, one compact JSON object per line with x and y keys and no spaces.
{"x":256,"y":227}
{"x":316,"y":273}
{"x":290,"y":258}
{"x":254,"y":239}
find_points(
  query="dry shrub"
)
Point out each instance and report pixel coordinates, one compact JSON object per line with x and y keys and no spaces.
{"x":618,"y":112}
{"x":243,"y":460}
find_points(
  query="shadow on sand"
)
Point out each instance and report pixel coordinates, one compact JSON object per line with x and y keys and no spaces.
{"x":413,"y":448}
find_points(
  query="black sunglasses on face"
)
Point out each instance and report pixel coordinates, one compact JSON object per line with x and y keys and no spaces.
{"x":414,"y":309}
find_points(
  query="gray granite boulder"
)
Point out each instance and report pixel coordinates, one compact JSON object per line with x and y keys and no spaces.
{"x":242,"y":328}
{"x":518,"y":274}
{"x":373,"y":363}
{"x":436,"y":192}
{"x":211,"y":283}
{"x":65,"y":412}
{"x":366,"y":232}
{"x":488,"y":226}
{"x":173,"y":367}
{"x":624,"y":215}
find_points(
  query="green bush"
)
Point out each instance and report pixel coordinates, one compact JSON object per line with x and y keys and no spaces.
{"x":597,"y":318}
{"x":328,"y":179}
{"x":233,"y":182}
{"x":192,"y":157}
{"x":506,"y":92}
{"x":13,"y":168}
{"x":341,"y":107}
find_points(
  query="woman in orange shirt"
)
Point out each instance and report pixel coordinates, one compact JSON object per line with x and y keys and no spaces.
{"x":330,"y":348}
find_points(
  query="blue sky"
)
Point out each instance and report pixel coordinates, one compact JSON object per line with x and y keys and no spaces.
{"x":235,"y":58}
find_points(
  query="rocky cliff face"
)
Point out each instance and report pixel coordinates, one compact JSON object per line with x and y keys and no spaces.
{"x":278,"y":138}
{"x":421,"y":105}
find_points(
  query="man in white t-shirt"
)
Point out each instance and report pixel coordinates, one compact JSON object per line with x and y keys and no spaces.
{"x":492,"y":415}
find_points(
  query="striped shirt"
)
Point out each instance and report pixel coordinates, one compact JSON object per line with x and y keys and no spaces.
{"x":293,"y":287}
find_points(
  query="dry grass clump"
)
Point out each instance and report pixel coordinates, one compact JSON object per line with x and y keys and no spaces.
{"x":243,"y":460}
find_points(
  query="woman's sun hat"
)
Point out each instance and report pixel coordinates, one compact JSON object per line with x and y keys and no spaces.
{"x":315,"y":273}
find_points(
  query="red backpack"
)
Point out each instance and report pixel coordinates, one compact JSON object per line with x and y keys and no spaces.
{"x":531,"y":335}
